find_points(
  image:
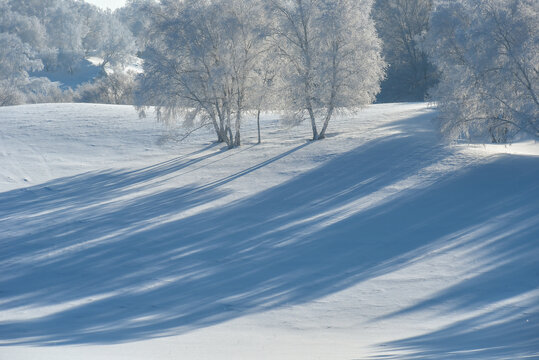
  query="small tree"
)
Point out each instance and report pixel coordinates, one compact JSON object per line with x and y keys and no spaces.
{"x":65,"y":30}
{"x":488,"y":53}
{"x":200,"y":64}
{"x":331,"y":57}
{"x":262,"y":95}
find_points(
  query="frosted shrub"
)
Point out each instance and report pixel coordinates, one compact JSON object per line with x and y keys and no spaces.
{"x":114,"y":88}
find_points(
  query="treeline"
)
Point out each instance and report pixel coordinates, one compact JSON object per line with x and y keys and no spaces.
{"x":209,"y":62}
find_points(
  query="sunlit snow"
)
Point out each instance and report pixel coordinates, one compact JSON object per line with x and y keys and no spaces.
{"x":119,"y":242}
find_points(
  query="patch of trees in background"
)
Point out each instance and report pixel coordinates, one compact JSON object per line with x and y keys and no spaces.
{"x":39,"y":38}
{"x":207,"y":63}
{"x":402,"y":25}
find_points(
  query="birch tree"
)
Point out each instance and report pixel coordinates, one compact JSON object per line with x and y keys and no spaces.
{"x":331,"y":57}
{"x":200,"y":64}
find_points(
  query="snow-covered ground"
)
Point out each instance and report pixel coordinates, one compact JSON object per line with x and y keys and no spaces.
{"x":380,"y":242}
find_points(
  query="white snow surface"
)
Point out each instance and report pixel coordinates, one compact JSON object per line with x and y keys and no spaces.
{"x":117,"y":241}
{"x":107,"y":4}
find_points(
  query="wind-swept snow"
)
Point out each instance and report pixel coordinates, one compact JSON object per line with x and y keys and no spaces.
{"x":117,"y":242}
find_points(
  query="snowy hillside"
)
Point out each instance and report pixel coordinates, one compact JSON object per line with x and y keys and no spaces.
{"x":379,"y":242}
{"x":86,"y":71}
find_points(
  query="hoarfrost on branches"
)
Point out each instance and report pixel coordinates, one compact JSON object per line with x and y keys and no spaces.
{"x":331,"y":57}
{"x":488,"y":53}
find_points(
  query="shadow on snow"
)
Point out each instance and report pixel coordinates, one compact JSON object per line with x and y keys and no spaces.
{"x":94,"y":244}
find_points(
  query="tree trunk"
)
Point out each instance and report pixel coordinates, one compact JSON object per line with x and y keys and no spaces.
{"x":237,"y":140}
{"x":326,"y":122}
{"x":230,"y":140}
{"x":217,"y":130}
{"x":258,"y":125}
{"x":313,"y":122}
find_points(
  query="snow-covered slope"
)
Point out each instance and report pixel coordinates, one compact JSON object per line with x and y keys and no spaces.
{"x":118,"y":242}
{"x":85,"y":71}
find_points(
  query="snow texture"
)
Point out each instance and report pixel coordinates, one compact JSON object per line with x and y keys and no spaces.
{"x":379,"y":242}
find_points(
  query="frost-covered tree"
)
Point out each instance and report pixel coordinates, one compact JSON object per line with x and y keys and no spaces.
{"x":106,"y":36}
{"x":201,"y":61}
{"x":331,"y":57}
{"x":118,"y":44}
{"x":17,"y":58}
{"x":401,"y":24}
{"x":488,"y":53}
{"x":65,"y":32}
{"x":26,"y":26}
{"x":23,"y":45}
{"x":136,"y":16}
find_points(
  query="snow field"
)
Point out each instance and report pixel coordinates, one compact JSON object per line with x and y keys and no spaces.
{"x":117,"y":242}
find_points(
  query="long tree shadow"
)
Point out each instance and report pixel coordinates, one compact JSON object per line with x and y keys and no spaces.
{"x":120,"y":276}
{"x":501,"y":294}
{"x":72,"y":210}
{"x":507,"y":333}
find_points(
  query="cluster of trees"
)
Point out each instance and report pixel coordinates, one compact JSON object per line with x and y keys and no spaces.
{"x":488,"y":55}
{"x":55,"y":35}
{"x":476,"y":60}
{"x":208,"y":62}
{"x":402,"y":25}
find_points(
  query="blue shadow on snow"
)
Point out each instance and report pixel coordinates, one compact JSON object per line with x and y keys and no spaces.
{"x":93,"y":237}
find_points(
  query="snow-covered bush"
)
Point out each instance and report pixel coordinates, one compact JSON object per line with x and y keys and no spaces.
{"x":33,"y":91}
{"x":10,"y":95}
{"x":488,"y":53}
{"x":42,"y":90}
{"x":331,"y":57}
{"x":114,"y":88}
